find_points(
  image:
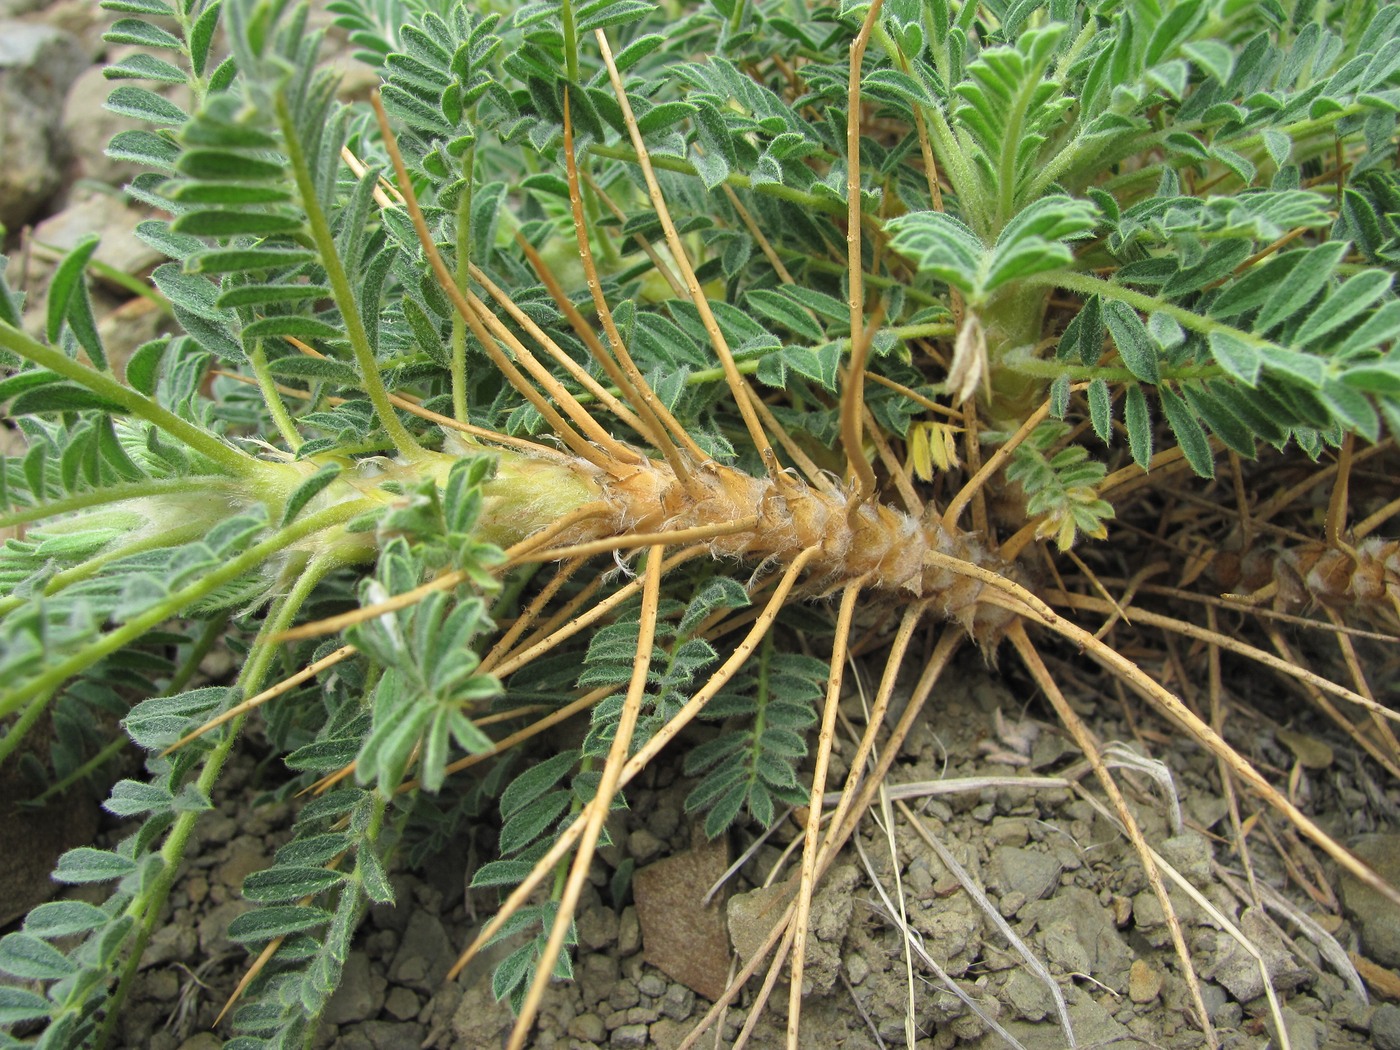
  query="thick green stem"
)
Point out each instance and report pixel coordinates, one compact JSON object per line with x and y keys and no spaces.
{"x":1013,"y":318}
{"x":341,"y":290}
{"x":92,"y":566}
{"x":136,"y":627}
{"x":146,"y":907}
{"x":114,"y":494}
{"x":106,"y":387}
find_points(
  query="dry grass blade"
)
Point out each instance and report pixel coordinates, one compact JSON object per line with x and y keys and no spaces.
{"x":660,"y":424}
{"x":738,"y":388}
{"x":597,"y":810}
{"x":567,"y":839}
{"x":916,"y":940}
{"x":825,"y":739}
{"x":1031,"y":658}
{"x":992,"y":912}
{"x":1134,"y":677}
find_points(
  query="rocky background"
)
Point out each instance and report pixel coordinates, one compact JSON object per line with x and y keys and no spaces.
{"x":650,"y":952}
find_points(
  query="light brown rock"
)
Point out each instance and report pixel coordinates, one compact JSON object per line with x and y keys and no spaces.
{"x":682,"y":937}
{"x":1144,"y":982}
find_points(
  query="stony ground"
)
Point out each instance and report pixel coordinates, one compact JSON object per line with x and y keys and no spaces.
{"x":1053,"y":870}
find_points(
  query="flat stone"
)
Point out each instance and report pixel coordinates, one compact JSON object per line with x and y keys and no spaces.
{"x":678,"y":1003}
{"x":392,"y":1035}
{"x":171,"y":943}
{"x":629,"y":932}
{"x":1079,"y":934}
{"x":1092,"y":1024}
{"x":1190,"y":854}
{"x":630,"y":1035}
{"x":245,"y":856}
{"x":668,"y":1034}
{"x":588,"y":1027}
{"x":1304,"y":1033}
{"x":479,"y":1019}
{"x":213,"y":927}
{"x":1027,"y":871}
{"x":643,"y":845}
{"x":401,"y":1004}
{"x":1237,"y":969}
{"x":752,"y":916}
{"x":354,"y":999}
{"x":1376,"y":918}
{"x":1028,"y":996}
{"x":424,"y":955}
{"x":685,"y":938}
{"x":114,"y":221}
{"x":37,"y":65}
{"x":597,"y":974}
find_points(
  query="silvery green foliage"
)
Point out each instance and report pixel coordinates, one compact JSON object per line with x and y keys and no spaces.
{"x":1171,"y":165}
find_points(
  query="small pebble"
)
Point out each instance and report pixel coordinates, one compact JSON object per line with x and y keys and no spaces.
{"x":630,"y":1035}
{"x":588,"y":1027}
{"x":857,"y":969}
{"x":402,"y":1005}
{"x":643,"y":845}
{"x":1144,"y":982}
{"x":624,"y":996}
{"x":678,"y":1003}
{"x":629,"y":932}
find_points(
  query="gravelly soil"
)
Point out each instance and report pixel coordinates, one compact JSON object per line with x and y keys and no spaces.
{"x":1060,"y":875}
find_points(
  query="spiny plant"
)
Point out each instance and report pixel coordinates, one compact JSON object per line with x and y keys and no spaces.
{"x":895,"y":304}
